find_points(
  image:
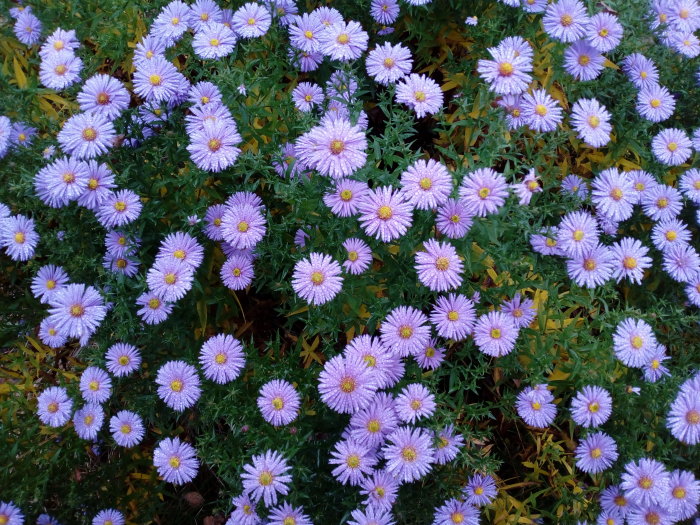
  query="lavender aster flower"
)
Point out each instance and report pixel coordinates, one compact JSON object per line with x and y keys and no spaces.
{"x":577,"y":234}
{"x":18,"y":237}
{"x":304,"y":32}
{"x":251,"y":20}
{"x":153,"y":309}
{"x":243,"y":225}
{"x":285,"y":514}
{"x":170,"y":279}
{"x":671,"y":146}
{"x":613,"y":194}
{"x":371,"y":516}
{"x":604,"y":32}
{"x":453,"y":316}
{"x":535,"y":406}
{"x":371,"y":425}
{"x":335,"y":148}
{"x":527,"y":188}
{"x":317,"y":279}
{"x":422,"y":94}
{"x":484,"y":191}
{"x":279,"y":402}
{"x":237,"y":272}
{"x":176,"y":461}
{"x":414,"y":402}
{"x":147,"y":49}
{"x":213,"y":147}
{"x":668,"y":233}
{"x":690,"y":184}
{"x":127,"y":428}
{"x":480,"y":490}
{"x":655,"y":103}
{"x":583,"y":61}
{"x":509,"y":71}
{"x":204,"y":13}
{"x":380,"y":490}
{"x":306,"y":95}
{"x":156,"y":80}
{"x":87,"y":135}
{"x":592,"y":268}
{"x":222,"y":358}
{"x":62,"y":181}
{"x":684,"y":417}
{"x":122,"y":359}
{"x":118,"y":209}
{"x":455,"y":511}
{"x":662,"y":202}
{"x":591,"y":407}
{"x":77,"y":310}
{"x":54,"y":406}
{"x":521,"y":312}
{"x":384,"y":11}
{"x":682,"y":263}
{"x":27,"y":28}
{"x":405,"y":330}
{"x":645,"y":482}
{"x":171,"y":22}
{"x":49,"y":334}
{"x":439,"y":266}
{"x":597,"y":452}
{"x":684,"y":494}
{"x":495,"y":334}
{"x":88,"y":421}
{"x":575,"y":185}
{"x":592,"y":122}
{"x":266,"y":477}
{"x":454,"y":218}
{"x":343,"y":41}
{"x":630,"y":259}
{"x":541,"y":112}
{"x":60,"y":70}
{"x":387,"y":64}
{"x":109,"y":517}
{"x":347,"y":384}
{"x":100,"y":183}
{"x":104,"y":95}
{"x":448,"y":444}
{"x":359,"y":256}
{"x":354,"y":462}
{"x":178,"y":385}
{"x":634,"y":342}
{"x":409,"y":453}
{"x":426,"y":185}
{"x":49,"y":280}
{"x":385,"y":214}
{"x":213,"y":41}
{"x":95,"y":385}
{"x":566,"y":20}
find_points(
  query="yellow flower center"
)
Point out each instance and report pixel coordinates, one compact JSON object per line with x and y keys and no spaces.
{"x":645,"y":482}
{"x":353,"y":461}
{"x":60,"y":69}
{"x":265,"y":478}
{"x":655,"y":103}
{"x":217,"y":221}
{"x":154,"y":303}
{"x":443,"y":442}
{"x":220,"y":358}
{"x":457,"y":517}
{"x":578,"y":235}
{"x":243,"y":226}
{"x":550,"y":242}
{"x":308,"y":34}
{"x":179,"y":254}
{"x":50,"y":284}
{"x":204,"y":16}
{"x":343,"y":38}
{"x":89,"y":134}
{"x":88,"y":420}
{"x":593,"y":407}
{"x":53,"y":407}
{"x":174,"y":462}
{"x":566,"y":20}
{"x":236,"y":272}
{"x":337,"y":147}
{"x":535,"y":405}
{"x":532,"y":185}
{"x":452,"y":315}
{"x":672,"y":146}
{"x":370,"y":360}
{"x":123,"y":360}
{"x":479,"y":491}
{"x":251,"y":21}
{"x":176,"y":385}
{"x":125,"y":428}
{"x":430,"y":351}
{"x":58,"y":45}
{"x":630,"y":263}
{"x":204,"y":99}
{"x":120,"y":205}
{"x":374,"y":426}
{"x":495,"y":333}
{"x":620,"y":501}
{"x":455,"y":218}
{"x":77,"y":310}
{"x":684,"y":13}
{"x":426,"y":183}
{"x":94,"y":386}
{"x":671,"y":235}
{"x":352,"y":256}
{"x":484,"y":192}
{"x":93,"y":184}
{"x":637,"y":342}
{"x":174,"y":20}
{"x":593,"y":121}
{"x":52,"y":331}
{"x":347,"y":385}
{"x":584,"y":60}
{"x":589,"y":264}
{"x":155,"y":79}
{"x":596,"y":453}
{"x":170,"y":278}
{"x":409,"y":454}
{"x":405,"y":332}
{"x":277,"y":403}
{"x":289,"y":520}
{"x":541,"y":110}
{"x":247,"y":509}
{"x":385,"y":213}
{"x":515,"y":112}
{"x":214,"y":145}
{"x":679,"y":493}
{"x":616,"y":194}
{"x":416,"y":404}
{"x":345,"y":195}
{"x":662,"y":202}
{"x":419,"y":96}
{"x":603,"y":32}
{"x":652,"y":518}
{"x":505,"y":69}
{"x":655,"y":364}
{"x":214,"y":42}
{"x":442,"y":263}
{"x":380,"y":491}
{"x":121,"y":263}
{"x":308,"y":98}
{"x":692,"y":417}
{"x":317,"y":278}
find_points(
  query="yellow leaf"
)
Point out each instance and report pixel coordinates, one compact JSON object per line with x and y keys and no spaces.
{"x":612,"y":65}
{"x":20,"y":77}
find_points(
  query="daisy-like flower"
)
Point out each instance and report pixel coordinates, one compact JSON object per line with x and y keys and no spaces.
{"x":266,"y":476}
{"x":684,"y":417}
{"x":49,"y":334}
{"x":541,"y":112}
{"x":170,"y":279}
{"x":147,"y":49}
{"x":591,"y":407}
{"x":642,"y":182}
{"x":684,"y":493}
{"x":343,"y":41}
{"x":426,"y":184}
{"x":181,"y":247}
{"x":583,"y":61}
{"x":577,"y":234}
{"x":449,"y":443}
{"x":306,"y":95}
{"x":384,"y":11}
{"x":456,"y":512}
{"x":77,"y":310}
{"x":317,"y":279}
{"x":671,"y":147}
{"x":213,"y":147}
{"x":122,"y":359}
{"x":453,"y":316}
{"x":305,"y":61}
{"x":592,"y":122}
{"x":243,"y":226}
{"x":575,"y":185}
{"x":100,"y":184}
{"x":655,"y":103}
{"x":592,"y":268}
{"x":62,"y":181}
{"x":359,"y":256}
{"x":513,"y":104}
{"x":484,"y":191}
{"x":495,"y":334}
{"x":204,"y":13}
{"x":535,"y":405}
{"x":95,"y":385}
{"x":124,"y":264}
{"x":49,"y":280}
{"x":613,"y":501}
{"x":668,"y":233}
{"x":18,"y":237}
{"x":157,"y":80}
{"x":388,"y":63}
{"x":527,"y":188}
{"x":251,"y":20}
{"x":654,"y":369}
{"x":203,"y":93}
{"x":119,"y":208}
{"x":405,"y":330}
{"x":439,"y":266}
{"x":454,"y":218}
{"x":641,"y":71}
{"x":645,"y":482}
{"x":508,"y":73}
{"x":371,"y":425}
{"x":285,"y":514}
{"x":682,"y":263}
{"x":371,"y":516}
{"x":380,"y":490}
{"x":222,"y":358}
{"x":22,"y":135}
{"x":153,"y":310}
{"x":347,"y":384}
{"x":613,"y":194}
{"x":304,"y":32}
{"x":422,"y":94}
{"x":213,"y":41}
{"x":59,"y":40}
{"x":237,"y":272}
{"x":384,"y":214}
{"x":409,"y":453}
{"x":690,"y":184}
{"x":88,"y":421}
{"x":566,"y":20}
{"x":279,"y":402}
{"x":244,"y":511}
{"x":354,"y":461}
{"x":104,"y":95}
{"x":480,"y":490}
{"x":414,"y":402}
{"x":87,"y":135}
{"x":60,"y":70}
{"x":336,"y":148}
{"x":109,"y":517}
{"x":604,"y":32}
{"x":178,"y":385}
{"x":684,"y":15}
{"x":521,"y":312}
{"x":630,"y":259}
{"x":634,"y":342}
{"x":171,"y":22}
{"x":176,"y":461}
{"x":662,"y":203}
{"x":212,"y":219}
{"x":54,"y":406}
{"x":127,"y":428}
{"x":597,"y":452}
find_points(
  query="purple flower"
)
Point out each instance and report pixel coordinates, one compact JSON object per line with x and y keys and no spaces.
{"x":684,"y":494}
{"x":645,"y":482}
{"x":213,"y":147}
{"x":147,"y":49}
{"x":335,"y":148}
{"x":684,"y":15}
{"x":178,"y":385}
{"x":170,"y":279}
{"x":285,"y":514}
{"x":405,"y":330}
{"x":244,"y":511}
{"x":431,"y":357}
{"x":380,"y":490}
{"x":454,"y":218}
{"x":62,"y":181}
{"x":448,"y":444}
{"x":439,"y":266}
{"x":414,"y":402}
{"x":592,"y":122}
{"x":592,"y":268}
{"x":222,"y":358}
{"x":426,"y":185}
{"x":87,"y":135}
{"x":409,"y":453}
{"x":122,"y":359}
{"x":541,"y":112}
{"x":346,"y":196}
{"x":251,"y":20}
{"x":27,"y":28}
{"x":354,"y":461}
{"x":604,"y":32}
{"x":535,"y":406}
{"x":509,"y":71}
{"x":279,"y":402}
{"x":655,"y":103}
{"x":583,"y":61}
{"x":495,"y":334}
{"x":641,"y":71}
{"x":690,"y":184}
{"x":305,"y":31}
{"x":49,"y":335}
{"x":59,"y":40}
{"x":317,"y":279}
{"x":100,"y":183}
{"x":422,"y":94}
{"x":566,"y":20}
{"x":18,"y":237}
{"x":77,"y":310}
{"x":359,"y":256}
{"x":387,"y":64}
{"x":153,"y":309}
{"x":453,"y":316}
{"x":156,"y":80}
{"x":119,"y":208}
{"x":204,"y":13}
{"x":384,"y":213}
{"x":513,"y":104}
{"x":347,"y":384}
{"x":575,"y":185}
{"x":343,"y":41}
{"x":176,"y":461}
{"x":527,"y":188}
{"x":668,"y":233}
{"x":22,"y":135}
{"x":681,"y":262}
{"x":634,"y":342}
{"x":203,"y":93}
{"x":104,"y":95}
{"x":595,"y":453}
{"x":54,"y":406}
{"x":237,"y":272}
{"x":613,"y":501}
{"x":213,"y":41}
{"x":243,"y":226}
{"x":171,"y":22}
{"x":384,"y":11}
{"x":387,"y":366}
{"x":306,"y":95}
{"x":456,"y":511}
{"x":60,"y":70}
{"x":49,"y":280}
{"x":630,"y":259}
{"x":480,"y":490}
{"x":109,"y":517}
{"x":266,"y":476}
{"x":521,"y":312}
{"x":671,"y":147}
{"x":577,"y":234}
{"x":371,"y":425}
{"x":684,"y":417}
{"x":371,"y":516}
{"x":88,"y":420}
{"x":95,"y":385}
{"x":591,"y":407}
{"x":484,"y":191}
{"x":662,"y":202}
{"x":127,"y":428}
